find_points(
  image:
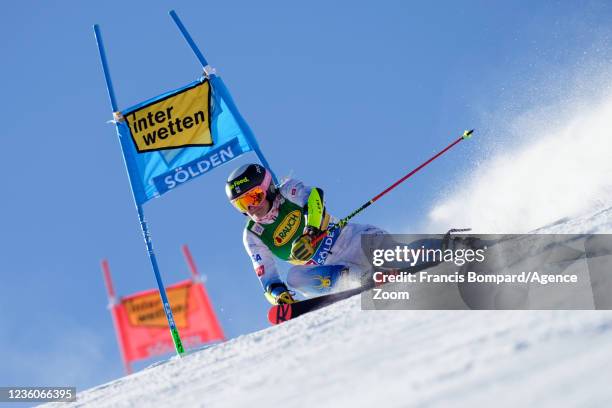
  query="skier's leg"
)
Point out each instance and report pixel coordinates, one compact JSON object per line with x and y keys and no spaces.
{"x":315,"y":280}
{"x":348,"y":251}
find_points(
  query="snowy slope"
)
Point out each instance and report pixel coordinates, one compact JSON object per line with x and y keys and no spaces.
{"x":560,"y":181}
{"x":342,"y":356}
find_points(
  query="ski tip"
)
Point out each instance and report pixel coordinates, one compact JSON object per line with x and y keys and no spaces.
{"x":468,"y":134}
{"x":279,"y":313}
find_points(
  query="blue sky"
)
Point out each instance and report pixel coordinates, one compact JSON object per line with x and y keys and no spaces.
{"x":347,"y":96}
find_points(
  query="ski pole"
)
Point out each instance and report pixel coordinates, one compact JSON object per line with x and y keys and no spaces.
{"x":466,"y":135}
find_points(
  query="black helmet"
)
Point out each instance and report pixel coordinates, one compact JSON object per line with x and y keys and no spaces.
{"x":254,"y":179}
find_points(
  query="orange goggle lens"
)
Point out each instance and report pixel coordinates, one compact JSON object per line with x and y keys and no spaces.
{"x":252,"y":198}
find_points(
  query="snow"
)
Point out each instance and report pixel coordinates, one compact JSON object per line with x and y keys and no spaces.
{"x":559,"y":182}
{"x":343,"y":356}
{"x":555,"y":166}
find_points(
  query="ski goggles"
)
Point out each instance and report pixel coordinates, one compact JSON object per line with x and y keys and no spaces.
{"x":252,"y":198}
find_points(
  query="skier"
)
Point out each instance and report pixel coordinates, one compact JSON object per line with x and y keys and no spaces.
{"x":283,"y":222}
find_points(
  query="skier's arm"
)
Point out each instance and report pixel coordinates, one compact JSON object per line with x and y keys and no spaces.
{"x":309,"y":198}
{"x":316,"y":220}
{"x":315,"y":209}
{"x":264,"y":265}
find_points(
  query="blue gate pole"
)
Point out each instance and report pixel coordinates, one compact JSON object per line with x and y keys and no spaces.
{"x":109,"y":83}
{"x":225,"y":94}
{"x":188,"y":38}
{"x":176,"y":338}
{"x":178,"y":345}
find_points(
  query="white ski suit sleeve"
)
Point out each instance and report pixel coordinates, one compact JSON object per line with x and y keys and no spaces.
{"x":264,"y":262}
{"x":262,"y":259}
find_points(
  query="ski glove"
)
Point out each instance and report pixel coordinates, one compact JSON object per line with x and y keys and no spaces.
{"x":302,"y":248}
{"x":278,"y":293}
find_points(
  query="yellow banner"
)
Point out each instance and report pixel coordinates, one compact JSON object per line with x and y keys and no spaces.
{"x":180,"y":120}
{"x":147,"y":310}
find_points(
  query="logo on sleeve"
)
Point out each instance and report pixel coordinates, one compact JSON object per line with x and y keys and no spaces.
{"x":258,"y":229}
{"x":260,"y":271}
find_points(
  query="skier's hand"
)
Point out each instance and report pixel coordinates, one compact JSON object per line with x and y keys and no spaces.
{"x":278,"y":293}
{"x":302,"y":248}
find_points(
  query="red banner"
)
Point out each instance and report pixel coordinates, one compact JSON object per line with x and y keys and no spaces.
{"x":143,"y":328}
